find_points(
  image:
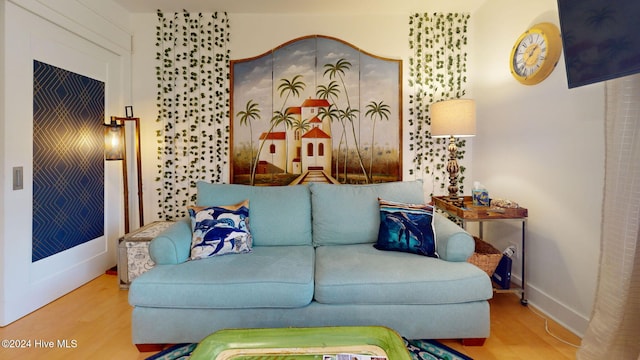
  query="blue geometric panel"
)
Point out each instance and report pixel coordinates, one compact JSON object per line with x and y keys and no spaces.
{"x":68,"y":165}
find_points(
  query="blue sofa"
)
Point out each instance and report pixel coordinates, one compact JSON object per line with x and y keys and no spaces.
{"x":312,"y":264}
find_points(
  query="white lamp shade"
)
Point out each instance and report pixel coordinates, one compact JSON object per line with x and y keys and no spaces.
{"x":453,"y":118}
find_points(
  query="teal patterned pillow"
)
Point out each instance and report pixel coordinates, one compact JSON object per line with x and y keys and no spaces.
{"x":406,"y":228}
{"x":219,"y":230}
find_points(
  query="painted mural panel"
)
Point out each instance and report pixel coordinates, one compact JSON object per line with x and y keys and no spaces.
{"x":68,"y":165}
{"x":316,"y":109}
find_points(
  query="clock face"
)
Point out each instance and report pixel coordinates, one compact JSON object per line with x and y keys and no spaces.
{"x":530,"y":54}
{"x":536,"y":53}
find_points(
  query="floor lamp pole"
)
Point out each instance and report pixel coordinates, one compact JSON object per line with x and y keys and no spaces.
{"x":125,"y":182}
{"x":125,"y":176}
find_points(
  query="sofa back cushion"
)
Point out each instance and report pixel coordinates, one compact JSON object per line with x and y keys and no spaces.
{"x":279,"y":215}
{"x":350,"y":214}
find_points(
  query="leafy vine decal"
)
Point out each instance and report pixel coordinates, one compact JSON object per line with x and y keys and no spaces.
{"x":192,"y":75}
{"x":437,"y":71}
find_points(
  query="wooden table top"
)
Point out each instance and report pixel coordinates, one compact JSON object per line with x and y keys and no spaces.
{"x":467,"y":211}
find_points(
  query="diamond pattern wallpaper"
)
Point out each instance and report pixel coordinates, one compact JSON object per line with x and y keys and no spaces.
{"x":68,"y":165}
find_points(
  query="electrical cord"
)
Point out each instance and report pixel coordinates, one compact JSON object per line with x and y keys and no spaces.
{"x":546,"y":328}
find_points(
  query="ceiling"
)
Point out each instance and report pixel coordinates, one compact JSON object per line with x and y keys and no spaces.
{"x":300,"y":6}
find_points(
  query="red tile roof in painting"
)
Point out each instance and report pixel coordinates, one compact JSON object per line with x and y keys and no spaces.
{"x":315,"y":119}
{"x":315,"y":103}
{"x":294,"y":110}
{"x":316,"y":133}
{"x":278,"y":135}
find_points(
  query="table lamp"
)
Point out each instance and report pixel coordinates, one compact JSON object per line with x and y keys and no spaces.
{"x":453,"y":118}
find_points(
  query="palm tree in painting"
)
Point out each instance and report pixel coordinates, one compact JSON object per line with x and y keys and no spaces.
{"x":287,"y":88}
{"x":251,"y":112}
{"x":282,"y":118}
{"x":339,"y":70}
{"x":376,"y":110}
{"x":299,"y":127}
{"x":331,"y":92}
{"x":350,"y":115}
{"x":333,"y":114}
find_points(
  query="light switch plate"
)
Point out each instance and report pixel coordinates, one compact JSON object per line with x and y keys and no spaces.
{"x":17,"y":178}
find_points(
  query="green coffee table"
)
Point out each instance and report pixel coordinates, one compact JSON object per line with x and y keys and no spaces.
{"x":301,"y":343}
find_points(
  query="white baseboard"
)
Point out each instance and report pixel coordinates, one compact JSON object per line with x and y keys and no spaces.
{"x":554,"y":309}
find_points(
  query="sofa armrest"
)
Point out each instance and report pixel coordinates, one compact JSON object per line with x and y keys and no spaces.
{"x":453,"y":242}
{"x":173,"y":245}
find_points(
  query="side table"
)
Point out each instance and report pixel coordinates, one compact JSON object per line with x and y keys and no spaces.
{"x":464,"y":210}
{"x":133,"y":252}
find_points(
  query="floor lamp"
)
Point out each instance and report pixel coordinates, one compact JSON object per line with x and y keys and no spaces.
{"x":115,"y":149}
{"x":453,"y":118}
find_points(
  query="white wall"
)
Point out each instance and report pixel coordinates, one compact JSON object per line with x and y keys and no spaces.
{"x":541,"y":146}
{"x":75,"y":38}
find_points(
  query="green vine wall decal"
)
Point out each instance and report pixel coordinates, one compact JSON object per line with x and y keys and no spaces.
{"x":193,"y":105}
{"x":437,"y":71}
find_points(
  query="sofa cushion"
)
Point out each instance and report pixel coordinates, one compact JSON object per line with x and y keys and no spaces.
{"x":361,"y":274}
{"x":280,"y":215}
{"x":220,"y":230}
{"x":407,"y":228}
{"x":349,"y":214}
{"x":269,"y":276}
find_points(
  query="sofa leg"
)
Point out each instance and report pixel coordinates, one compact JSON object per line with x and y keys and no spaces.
{"x":473,"y":342}
{"x":151,"y":347}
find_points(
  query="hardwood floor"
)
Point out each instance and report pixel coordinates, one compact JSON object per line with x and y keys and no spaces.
{"x":517,"y":333}
{"x":93,"y":322}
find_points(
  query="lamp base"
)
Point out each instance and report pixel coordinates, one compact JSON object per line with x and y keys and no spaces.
{"x":453,"y":168}
{"x":454,"y":200}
